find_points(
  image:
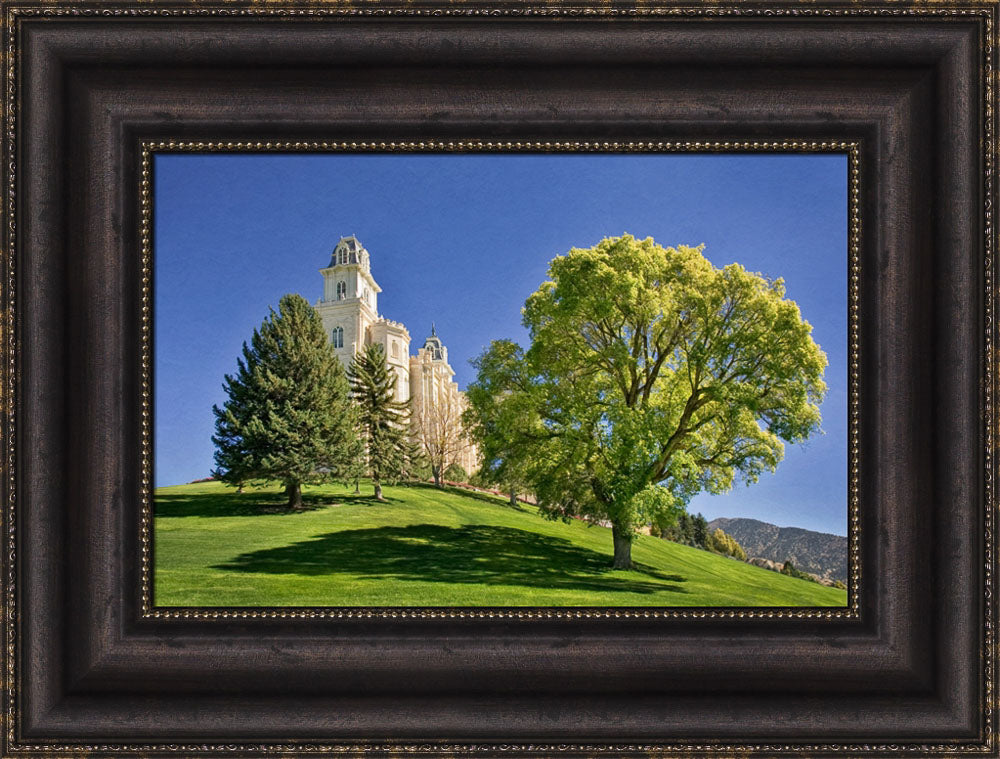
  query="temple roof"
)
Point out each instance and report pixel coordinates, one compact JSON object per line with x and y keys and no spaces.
{"x":356,"y":252}
{"x":433,"y":343}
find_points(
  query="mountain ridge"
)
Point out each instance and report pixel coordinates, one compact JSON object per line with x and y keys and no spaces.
{"x":821,"y":553}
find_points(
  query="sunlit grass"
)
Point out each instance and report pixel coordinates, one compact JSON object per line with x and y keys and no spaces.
{"x":427,"y":547}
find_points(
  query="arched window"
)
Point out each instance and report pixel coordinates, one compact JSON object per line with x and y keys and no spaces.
{"x":395,"y":349}
{"x":338,"y":337}
{"x":341,"y":290}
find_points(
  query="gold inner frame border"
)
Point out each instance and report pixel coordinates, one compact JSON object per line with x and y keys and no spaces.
{"x":852,"y":149}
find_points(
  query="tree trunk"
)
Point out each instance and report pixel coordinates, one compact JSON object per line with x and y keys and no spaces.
{"x":436,"y":471}
{"x":513,"y":499}
{"x":357,"y":486}
{"x":294,"y":492}
{"x":378,"y":490}
{"x":623,"y":548}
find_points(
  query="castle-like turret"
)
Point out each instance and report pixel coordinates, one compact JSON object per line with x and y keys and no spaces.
{"x":432,"y":345}
{"x":349,"y":311}
{"x":349,"y":275}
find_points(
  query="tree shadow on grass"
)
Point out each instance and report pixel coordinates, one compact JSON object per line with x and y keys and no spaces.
{"x":471,"y":554}
{"x":492,"y":500}
{"x":229,"y":503}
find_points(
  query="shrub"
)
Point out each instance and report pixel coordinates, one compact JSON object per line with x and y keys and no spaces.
{"x":789,"y":569}
{"x":721,"y":542}
{"x":455,"y":473}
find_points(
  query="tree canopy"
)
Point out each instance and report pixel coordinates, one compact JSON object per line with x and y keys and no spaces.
{"x":498,"y":401}
{"x":288,"y":416}
{"x":651,"y":376}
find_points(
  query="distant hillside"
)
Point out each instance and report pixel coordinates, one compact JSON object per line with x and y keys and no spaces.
{"x":821,"y":553}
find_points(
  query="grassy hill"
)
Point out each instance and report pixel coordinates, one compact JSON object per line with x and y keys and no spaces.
{"x":427,"y":547}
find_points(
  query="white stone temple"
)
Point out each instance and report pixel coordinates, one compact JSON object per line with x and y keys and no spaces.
{"x":349,"y":310}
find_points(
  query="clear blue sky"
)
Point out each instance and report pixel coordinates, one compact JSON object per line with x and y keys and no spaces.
{"x":462,"y":240}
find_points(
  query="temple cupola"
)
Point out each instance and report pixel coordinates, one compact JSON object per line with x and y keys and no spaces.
{"x":349,"y":277}
{"x":350,"y":251}
{"x":435,"y":350}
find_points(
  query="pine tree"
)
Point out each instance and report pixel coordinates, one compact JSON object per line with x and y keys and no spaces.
{"x":289,"y":415}
{"x":684,"y":530}
{"x":384,"y":421}
{"x":699,"y":532}
{"x":417,"y":466}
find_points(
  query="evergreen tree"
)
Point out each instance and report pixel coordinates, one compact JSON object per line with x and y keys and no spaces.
{"x":681,"y":530}
{"x":687,"y":530}
{"x":384,"y":421}
{"x":699,"y":532}
{"x":289,"y":415}
{"x":418,"y":468}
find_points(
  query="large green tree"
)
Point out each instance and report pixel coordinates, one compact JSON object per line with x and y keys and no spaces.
{"x":651,"y":376}
{"x":384,"y":421}
{"x":289,"y":415}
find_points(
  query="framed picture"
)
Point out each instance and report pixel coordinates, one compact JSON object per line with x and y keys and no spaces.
{"x":424,"y":523}
{"x":455,"y":379}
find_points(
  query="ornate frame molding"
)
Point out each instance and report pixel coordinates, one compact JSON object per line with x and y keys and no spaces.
{"x":15,"y":13}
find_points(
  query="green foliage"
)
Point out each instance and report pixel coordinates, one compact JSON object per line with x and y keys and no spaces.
{"x":651,"y":376}
{"x":699,"y":531}
{"x":455,"y":473}
{"x":693,"y":531}
{"x":789,"y":569}
{"x":681,"y":531}
{"x":721,"y":542}
{"x":288,"y":416}
{"x":383,"y":419}
{"x":418,"y":467}
{"x":736,"y":550}
{"x":481,"y":480}
{"x":839,"y":585}
{"x":499,"y":415}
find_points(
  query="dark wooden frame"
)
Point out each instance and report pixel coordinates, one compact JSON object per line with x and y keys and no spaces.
{"x":913,"y":671}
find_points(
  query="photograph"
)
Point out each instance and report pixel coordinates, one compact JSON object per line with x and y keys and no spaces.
{"x":496,"y":380}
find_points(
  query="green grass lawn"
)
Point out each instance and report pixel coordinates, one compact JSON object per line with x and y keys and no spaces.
{"x":427,"y":547}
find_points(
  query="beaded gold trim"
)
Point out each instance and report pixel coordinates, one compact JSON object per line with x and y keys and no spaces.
{"x":850,"y":148}
{"x":392,"y":8}
{"x":9,"y":378}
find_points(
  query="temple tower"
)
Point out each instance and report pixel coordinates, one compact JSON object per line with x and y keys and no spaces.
{"x":349,"y":311}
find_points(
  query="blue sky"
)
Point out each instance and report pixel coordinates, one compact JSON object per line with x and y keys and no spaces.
{"x":461,"y":241}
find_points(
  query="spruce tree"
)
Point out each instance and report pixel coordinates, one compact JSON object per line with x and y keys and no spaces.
{"x":699,"y":532}
{"x":384,"y":421}
{"x":289,"y":415}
